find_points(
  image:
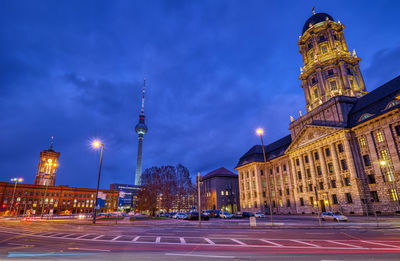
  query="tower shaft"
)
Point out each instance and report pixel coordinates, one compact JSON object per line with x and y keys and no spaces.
{"x":138,"y":174}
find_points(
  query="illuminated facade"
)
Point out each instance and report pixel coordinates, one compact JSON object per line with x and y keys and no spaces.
{"x":47,"y":167}
{"x":344,"y":154}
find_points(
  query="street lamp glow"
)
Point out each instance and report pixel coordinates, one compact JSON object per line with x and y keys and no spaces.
{"x":96,"y":144}
{"x":382,"y":162}
{"x":260,"y":131}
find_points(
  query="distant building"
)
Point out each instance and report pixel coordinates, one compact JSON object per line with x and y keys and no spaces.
{"x":220,"y":191}
{"x":47,"y":167}
{"x":343,"y":154}
{"x":54,"y":199}
{"x":127,"y":196}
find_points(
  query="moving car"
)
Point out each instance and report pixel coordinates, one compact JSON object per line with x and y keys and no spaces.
{"x":225,"y":214}
{"x":195,"y":216}
{"x":333,"y":216}
{"x":259,"y":215}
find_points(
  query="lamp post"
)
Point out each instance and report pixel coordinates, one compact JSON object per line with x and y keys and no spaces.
{"x":198,"y":197}
{"x":97,"y":144}
{"x":16,"y":180}
{"x":260,"y":132}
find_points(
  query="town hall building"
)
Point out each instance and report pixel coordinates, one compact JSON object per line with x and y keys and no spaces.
{"x":343,"y":154}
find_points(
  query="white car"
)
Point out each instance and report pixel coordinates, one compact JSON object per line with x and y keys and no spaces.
{"x":333,"y":217}
{"x":180,"y":216}
{"x":259,"y":215}
{"x":225,"y":214}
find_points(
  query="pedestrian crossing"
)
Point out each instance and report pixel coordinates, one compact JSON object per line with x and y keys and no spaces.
{"x":392,"y":245}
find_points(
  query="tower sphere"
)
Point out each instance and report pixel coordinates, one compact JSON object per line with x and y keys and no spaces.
{"x":315,"y":19}
{"x":141,"y":128}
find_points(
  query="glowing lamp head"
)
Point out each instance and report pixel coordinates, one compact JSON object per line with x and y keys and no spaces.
{"x":260,"y":131}
{"x":96,"y":144}
{"x":382,"y":162}
{"x":326,"y":201}
{"x":20,"y":180}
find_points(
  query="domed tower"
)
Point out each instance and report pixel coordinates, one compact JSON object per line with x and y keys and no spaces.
{"x":330,"y":69}
{"x":140,"y":129}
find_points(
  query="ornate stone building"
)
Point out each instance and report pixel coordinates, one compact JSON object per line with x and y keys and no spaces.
{"x":343,"y":155}
{"x":47,"y":167}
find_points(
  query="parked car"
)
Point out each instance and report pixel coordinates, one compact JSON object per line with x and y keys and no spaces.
{"x":259,"y":215}
{"x":247,"y":214}
{"x":195,"y":216}
{"x":225,"y":215}
{"x":172,"y":215}
{"x":215,"y":213}
{"x":206,"y":212}
{"x":332,"y":216}
{"x":180,"y":216}
{"x":238,"y":215}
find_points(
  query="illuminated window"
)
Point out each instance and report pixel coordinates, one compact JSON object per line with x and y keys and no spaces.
{"x":285,"y":178}
{"x":379,"y":136}
{"x":362,"y":142}
{"x":315,"y":93}
{"x":227,"y":193}
{"x":393,"y":195}
{"x":249,"y":204}
{"x":222,"y":192}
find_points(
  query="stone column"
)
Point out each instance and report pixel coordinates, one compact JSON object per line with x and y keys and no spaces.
{"x":321,"y":82}
{"x":276,"y":190}
{"x":350,"y":159}
{"x":336,"y":167}
{"x":360,"y":78}
{"x":323,"y":166}
{"x":345,"y":79}
{"x":312,"y":168}
{"x":303,"y":173}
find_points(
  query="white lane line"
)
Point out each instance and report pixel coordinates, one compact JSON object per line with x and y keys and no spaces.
{"x":158,"y":240}
{"x":209,"y":241}
{"x":66,"y":235}
{"x":270,"y":242}
{"x":344,"y":244}
{"x":89,"y":249}
{"x":182,"y":240}
{"x":381,"y":244}
{"x":115,"y":238}
{"x":135,"y":239}
{"x":305,"y":243}
{"x":194,"y":255}
{"x":97,"y":237}
{"x":239,"y":242}
{"x":16,"y":244}
{"x":82,"y":236}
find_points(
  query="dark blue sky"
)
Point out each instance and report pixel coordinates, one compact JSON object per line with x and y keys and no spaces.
{"x":216,"y":71}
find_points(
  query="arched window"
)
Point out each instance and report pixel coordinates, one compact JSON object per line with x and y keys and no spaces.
{"x":365,"y":116}
{"x":392,"y":104}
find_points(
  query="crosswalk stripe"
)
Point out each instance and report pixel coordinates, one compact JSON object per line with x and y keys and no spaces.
{"x":344,"y":244}
{"x":305,"y":243}
{"x":115,"y":238}
{"x":97,"y":237}
{"x":182,"y":240}
{"x":158,"y":239}
{"x":381,"y":244}
{"x":239,"y":242}
{"x":82,"y":236}
{"x":209,"y":241}
{"x":270,"y":242}
{"x":135,"y":239}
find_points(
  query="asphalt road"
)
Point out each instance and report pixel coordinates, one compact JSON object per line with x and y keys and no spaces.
{"x":177,"y":240}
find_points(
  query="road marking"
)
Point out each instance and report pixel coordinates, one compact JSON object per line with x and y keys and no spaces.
{"x":158,"y":240}
{"x":135,"y":239}
{"x":381,"y":244}
{"x":115,"y":238}
{"x":89,"y":249}
{"x":239,"y":242}
{"x":82,"y":236}
{"x":96,"y":237}
{"x":182,"y":240}
{"x":64,"y":235}
{"x":270,"y":242}
{"x":344,"y":244}
{"x":209,"y":241}
{"x":305,"y":243}
{"x":173,"y":254}
{"x":24,"y":245}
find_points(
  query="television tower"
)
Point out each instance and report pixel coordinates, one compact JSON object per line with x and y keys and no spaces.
{"x":140,"y":129}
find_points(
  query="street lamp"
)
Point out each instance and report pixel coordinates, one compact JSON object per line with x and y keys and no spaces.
{"x":96,"y":144}
{"x":16,"y":180}
{"x":260,"y":133}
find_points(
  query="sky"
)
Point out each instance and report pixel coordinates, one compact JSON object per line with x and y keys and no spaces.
{"x":215,"y":70}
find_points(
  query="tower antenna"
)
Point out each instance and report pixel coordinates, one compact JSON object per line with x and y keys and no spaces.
{"x":313,"y":10}
{"x":52,"y":143}
{"x":143,"y":92}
